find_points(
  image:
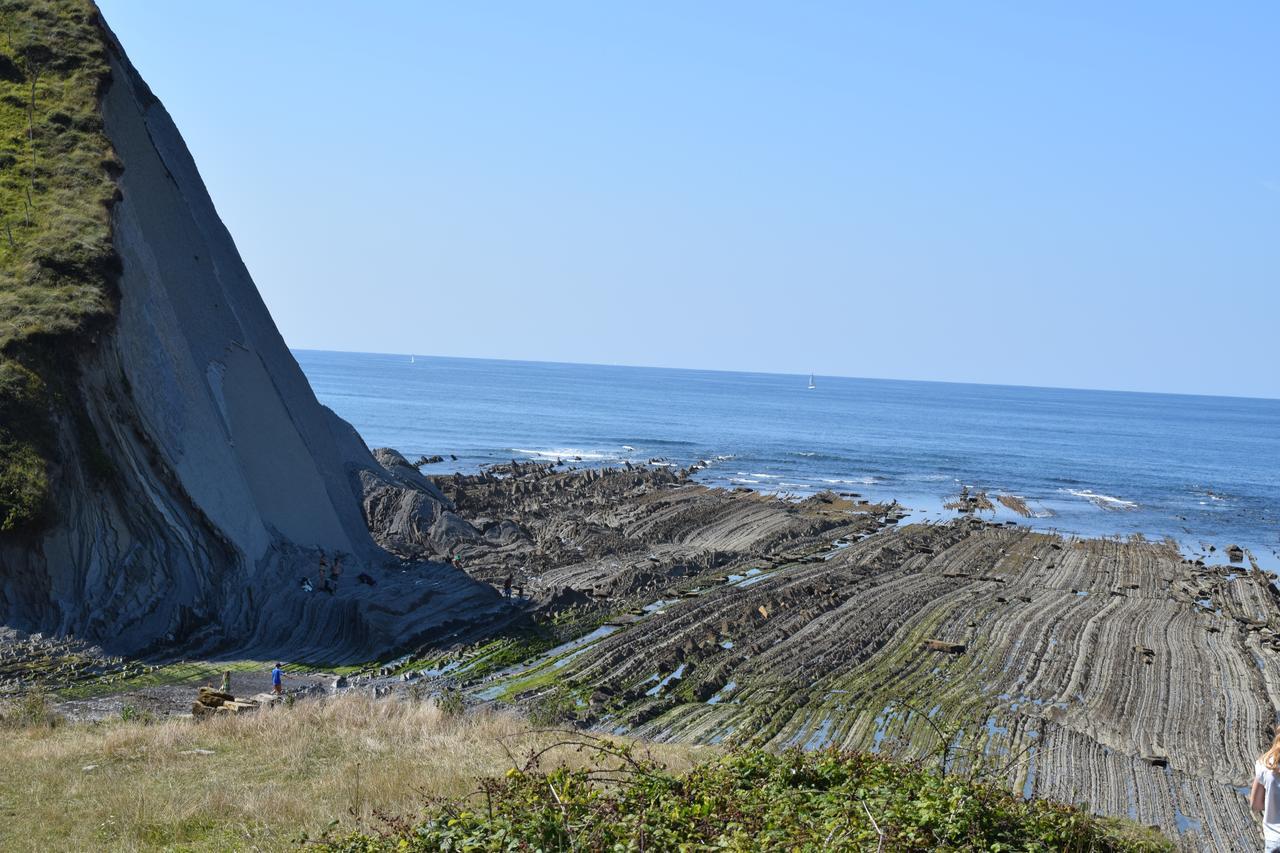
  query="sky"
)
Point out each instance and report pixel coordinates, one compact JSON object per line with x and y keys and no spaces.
{"x":1076,"y":194}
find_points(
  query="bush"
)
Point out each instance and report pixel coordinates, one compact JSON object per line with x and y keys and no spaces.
{"x":750,"y":800}
{"x":32,"y":711}
{"x":553,"y":709}
{"x":451,"y":702}
{"x":132,"y":714}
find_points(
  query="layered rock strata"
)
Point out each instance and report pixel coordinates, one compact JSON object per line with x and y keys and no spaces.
{"x":200,"y":492}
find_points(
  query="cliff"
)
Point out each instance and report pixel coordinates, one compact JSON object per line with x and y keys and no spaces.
{"x":193,"y":480}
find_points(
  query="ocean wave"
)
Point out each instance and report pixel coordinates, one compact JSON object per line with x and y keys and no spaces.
{"x":817,"y":456}
{"x":928,"y":478}
{"x":646,"y":441}
{"x":1107,"y":502}
{"x":566,"y":453}
{"x":856,"y":481}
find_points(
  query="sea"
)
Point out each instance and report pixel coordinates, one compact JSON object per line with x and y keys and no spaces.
{"x":1204,"y":471}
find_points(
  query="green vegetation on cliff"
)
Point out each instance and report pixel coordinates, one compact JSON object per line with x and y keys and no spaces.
{"x":56,"y":256}
{"x":750,"y":800}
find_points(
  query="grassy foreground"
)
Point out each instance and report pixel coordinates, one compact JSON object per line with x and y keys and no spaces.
{"x":252,"y":782}
{"x":361,"y":774}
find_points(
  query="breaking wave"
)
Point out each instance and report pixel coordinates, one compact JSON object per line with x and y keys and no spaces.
{"x":1107,"y":502}
{"x":566,"y":453}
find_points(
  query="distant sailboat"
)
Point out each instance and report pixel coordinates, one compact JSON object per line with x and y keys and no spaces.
{"x":811,"y":385}
{"x":412,"y":359}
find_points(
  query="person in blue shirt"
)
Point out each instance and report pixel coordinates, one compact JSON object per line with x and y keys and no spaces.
{"x":277,"y":679}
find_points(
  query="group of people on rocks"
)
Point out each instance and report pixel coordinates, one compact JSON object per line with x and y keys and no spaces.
{"x":327,"y":574}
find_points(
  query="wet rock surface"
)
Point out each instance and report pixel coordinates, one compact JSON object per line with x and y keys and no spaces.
{"x":1111,"y":672}
{"x":1116,"y":673}
{"x":617,"y":537}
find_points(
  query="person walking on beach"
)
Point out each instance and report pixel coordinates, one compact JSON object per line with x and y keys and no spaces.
{"x":1264,"y":795}
{"x":277,"y":679}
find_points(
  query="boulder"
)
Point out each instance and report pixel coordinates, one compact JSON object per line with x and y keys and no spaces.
{"x":450,"y":530}
{"x":504,"y":533}
{"x":213,"y":698}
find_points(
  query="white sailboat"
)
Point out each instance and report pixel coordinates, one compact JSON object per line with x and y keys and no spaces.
{"x":412,"y":359}
{"x":811,"y":385}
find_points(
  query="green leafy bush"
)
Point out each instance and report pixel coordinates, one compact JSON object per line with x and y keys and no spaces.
{"x":750,"y":800}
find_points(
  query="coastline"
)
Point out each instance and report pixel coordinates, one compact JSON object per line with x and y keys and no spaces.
{"x":650,"y":605}
{"x":1195,"y":469}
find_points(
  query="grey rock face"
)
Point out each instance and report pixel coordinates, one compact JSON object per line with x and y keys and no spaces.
{"x":407,"y":513}
{"x":504,"y":533}
{"x":229,"y":481}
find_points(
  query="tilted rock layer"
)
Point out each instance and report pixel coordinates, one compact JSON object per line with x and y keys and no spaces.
{"x":228,"y":481}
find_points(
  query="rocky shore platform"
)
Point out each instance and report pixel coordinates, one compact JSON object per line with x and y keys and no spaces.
{"x":1103,"y":671}
{"x":1113,"y":672}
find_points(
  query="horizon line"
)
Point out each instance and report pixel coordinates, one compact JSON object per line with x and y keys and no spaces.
{"x":784,"y":373}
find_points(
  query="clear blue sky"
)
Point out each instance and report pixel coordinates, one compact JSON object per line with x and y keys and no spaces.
{"x":1076,"y":194}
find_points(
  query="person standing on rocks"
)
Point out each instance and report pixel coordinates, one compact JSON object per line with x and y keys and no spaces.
{"x":1264,"y":796}
{"x":226,"y":682}
{"x":277,"y":679}
{"x":506,"y":587}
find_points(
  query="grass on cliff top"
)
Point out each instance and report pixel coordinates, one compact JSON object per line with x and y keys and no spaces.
{"x":361,"y":774}
{"x":56,"y":163}
{"x":56,"y":258}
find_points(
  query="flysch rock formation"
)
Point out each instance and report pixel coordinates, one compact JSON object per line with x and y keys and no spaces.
{"x":1111,"y":672}
{"x":229,"y":480}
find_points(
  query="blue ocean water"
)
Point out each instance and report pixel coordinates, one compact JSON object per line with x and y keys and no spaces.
{"x":1202,"y":470}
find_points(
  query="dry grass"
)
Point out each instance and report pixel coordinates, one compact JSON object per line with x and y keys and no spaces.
{"x":272,"y":776}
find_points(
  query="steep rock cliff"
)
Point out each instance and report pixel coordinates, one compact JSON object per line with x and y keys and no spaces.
{"x":199,"y":491}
